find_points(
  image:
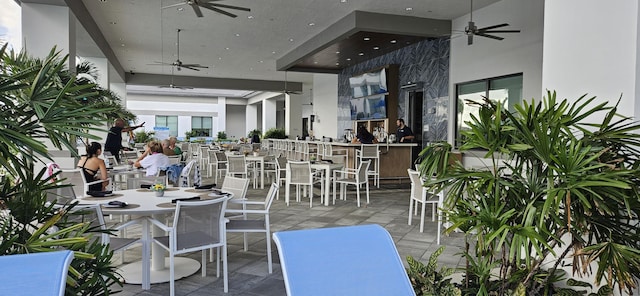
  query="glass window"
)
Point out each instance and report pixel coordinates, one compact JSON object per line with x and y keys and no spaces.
{"x":201,"y":126}
{"x":168,"y":121}
{"x":505,"y":89}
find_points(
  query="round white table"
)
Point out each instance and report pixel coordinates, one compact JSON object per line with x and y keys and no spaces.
{"x":151,"y":268}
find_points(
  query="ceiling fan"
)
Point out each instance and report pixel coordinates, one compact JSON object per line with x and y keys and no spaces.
{"x":196,"y":4}
{"x":287,"y":91}
{"x":471,"y":29}
{"x":178,"y":64}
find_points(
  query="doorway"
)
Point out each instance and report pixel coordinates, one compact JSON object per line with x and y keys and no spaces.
{"x":414,"y":121}
{"x":305,"y":127}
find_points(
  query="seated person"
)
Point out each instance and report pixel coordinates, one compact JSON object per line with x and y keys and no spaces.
{"x":166,"y":150}
{"x":93,"y":168}
{"x":172,"y":145}
{"x":155,"y":159}
{"x":364,"y":137}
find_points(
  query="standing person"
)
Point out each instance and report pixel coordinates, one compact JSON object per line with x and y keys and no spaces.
{"x":403,"y":133}
{"x":155,"y":159}
{"x":114,"y":137}
{"x":93,"y":168}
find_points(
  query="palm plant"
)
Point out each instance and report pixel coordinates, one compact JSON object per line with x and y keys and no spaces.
{"x":558,"y":187}
{"x":40,"y":98}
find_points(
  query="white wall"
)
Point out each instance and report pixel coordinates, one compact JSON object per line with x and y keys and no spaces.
{"x":146,"y":107}
{"x":325,"y":105}
{"x":485,"y":58}
{"x":596,"y":54}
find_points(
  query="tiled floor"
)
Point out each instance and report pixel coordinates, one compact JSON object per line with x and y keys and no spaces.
{"x":248,"y":270}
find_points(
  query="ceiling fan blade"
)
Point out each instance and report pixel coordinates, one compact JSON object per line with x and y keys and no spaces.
{"x":230,"y":6}
{"x":493,"y":27}
{"x":500,"y":31}
{"x":156,"y":63}
{"x":196,"y":9}
{"x":208,"y":6}
{"x":173,"y":5}
{"x":469,"y":39}
{"x":489,"y":36}
{"x":190,"y":68}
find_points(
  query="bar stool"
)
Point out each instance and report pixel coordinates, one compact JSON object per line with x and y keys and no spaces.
{"x":371,"y":152}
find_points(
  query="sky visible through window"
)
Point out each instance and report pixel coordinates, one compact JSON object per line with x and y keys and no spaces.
{"x":10,"y":27}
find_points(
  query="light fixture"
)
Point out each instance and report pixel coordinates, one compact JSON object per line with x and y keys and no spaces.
{"x":408,"y":8}
{"x":348,"y":59}
{"x":361,"y":54}
{"x":337,"y":64}
{"x":260,"y":62}
{"x":367,"y":38}
{"x":376,"y":48}
{"x":250,"y":16}
{"x":112,"y":22}
{"x":290,"y":39}
{"x":237,"y":35}
{"x":226,"y":48}
{"x":273,"y":52}
{"x":180,"y":8}
{"x":337,"y":52}
{"x":393,"y":41}
{"x":312,"y":24}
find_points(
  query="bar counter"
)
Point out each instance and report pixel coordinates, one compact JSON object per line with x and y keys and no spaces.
{"x":395,"y":158}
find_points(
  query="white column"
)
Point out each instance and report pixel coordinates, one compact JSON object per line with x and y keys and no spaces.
{"x":222,"y":114}
{"x":576,"y":64}
{"x":45,"y":26}
{"x":251,"y":119}
{"x":269,"y":108}
{"x":293,"y":115}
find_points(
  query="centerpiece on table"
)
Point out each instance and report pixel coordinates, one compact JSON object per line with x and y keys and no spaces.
{"x":159,"y":188}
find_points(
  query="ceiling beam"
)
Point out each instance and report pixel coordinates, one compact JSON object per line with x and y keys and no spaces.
{"x":215,"y":83}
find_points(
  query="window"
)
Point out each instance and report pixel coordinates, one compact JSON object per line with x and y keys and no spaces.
{"x":201,"y":126}
{"x":168,"y":121}
{"x":505,"y":89}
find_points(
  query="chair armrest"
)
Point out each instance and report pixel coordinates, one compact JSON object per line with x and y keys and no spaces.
{"x":126,"y":224}
{"x":160,"y":225}
{"x":335,"y":173}
{"x":246,"y":211}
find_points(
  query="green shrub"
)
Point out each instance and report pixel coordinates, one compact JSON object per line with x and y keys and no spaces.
{"x":275,"y":133}
{"x":427,"y":280}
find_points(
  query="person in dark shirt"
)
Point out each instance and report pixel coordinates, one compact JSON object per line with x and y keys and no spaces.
{"x":403,"y":133}
{"x":114,"y":137}
{"x":364,"y":136}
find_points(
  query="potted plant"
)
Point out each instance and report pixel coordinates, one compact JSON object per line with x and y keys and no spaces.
{"x":159,"y":189}
{"x":42,"y":99}
{"x":559,"y":187}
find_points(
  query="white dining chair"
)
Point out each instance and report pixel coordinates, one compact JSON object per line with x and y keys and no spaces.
{"x":299,"y":174}
{"x":197,"y":226}
{"x":75,"y":177}
{"x":371,"y":152}
{"x":420,"y":194}
{"x":354,"y":177}
{"x":255,"y":225}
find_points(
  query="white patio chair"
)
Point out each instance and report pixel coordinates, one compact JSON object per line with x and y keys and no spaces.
{"x":43,"y":273}
{"x":352,"y":260}
{"x":420,"y":194}
{"x":75,"y":177}
{"x":371,"y":152}
{"x":255,"y":225}
{"x":351,"y":177}
{"x":197,"y":226}
{"x":299,"y":173}
{"x":220,"y":164}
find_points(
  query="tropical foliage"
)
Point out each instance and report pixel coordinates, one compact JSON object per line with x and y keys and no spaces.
{"x":427,"y":280}
{"x":275,"y":133}
{"x":41,"y":98}
{"x":560,"y":188}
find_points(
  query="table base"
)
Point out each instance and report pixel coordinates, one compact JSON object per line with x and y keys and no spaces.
{"x":184,"y":267}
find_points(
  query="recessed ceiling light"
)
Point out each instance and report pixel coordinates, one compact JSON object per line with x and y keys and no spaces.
{"x":290,"y":39}
{"x":122,"y":44}
{"x":237,"y":35}
{"x":367,"y":38}
{"x":376,"y":48}
{"x":315,"y":62}
{"x":343,"y":1}
{"x":250,"y":17}
{"x":180,"y":8}
{"x":113,"y":23}
{"x":337,"y":64}
{"x":393,"y":41}
{"x":273,"y":52}
{"x":226,"y":48}
{"x":260,"y":62}
{"x":219,"y":58}
{"x":250,"y":69}
{"x":312,"y":24}
{"x":408,"y":8}
{"x":348,"y":59}
{"x":337,"y":52}
{"x":361,"y":54}
{"x":103,"y":0}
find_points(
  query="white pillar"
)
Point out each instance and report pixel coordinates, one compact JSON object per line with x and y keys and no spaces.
{"x":45,"y":26}
{"x":293,"y":115}
{"x":251,"y":119}
{"x":269,"y":117}
{"x":222,"y":114}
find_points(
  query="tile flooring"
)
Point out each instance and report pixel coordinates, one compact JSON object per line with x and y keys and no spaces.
{"x":248,"y":270}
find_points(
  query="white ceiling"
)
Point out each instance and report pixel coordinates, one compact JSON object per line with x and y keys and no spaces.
{"x":247,"y":47}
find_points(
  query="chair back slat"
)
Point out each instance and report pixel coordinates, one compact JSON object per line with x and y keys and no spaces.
{"x":362,"y":170}
{"x":237,"y":186}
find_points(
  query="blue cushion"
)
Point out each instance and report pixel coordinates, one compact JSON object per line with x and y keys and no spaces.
{"x":41,"y":274}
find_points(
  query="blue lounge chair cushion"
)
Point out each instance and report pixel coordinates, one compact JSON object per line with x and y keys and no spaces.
{"x":41,"y":274}
{"x":352,"y":260}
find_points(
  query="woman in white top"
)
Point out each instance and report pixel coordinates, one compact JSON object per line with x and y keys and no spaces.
{"x":154,"y":160}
